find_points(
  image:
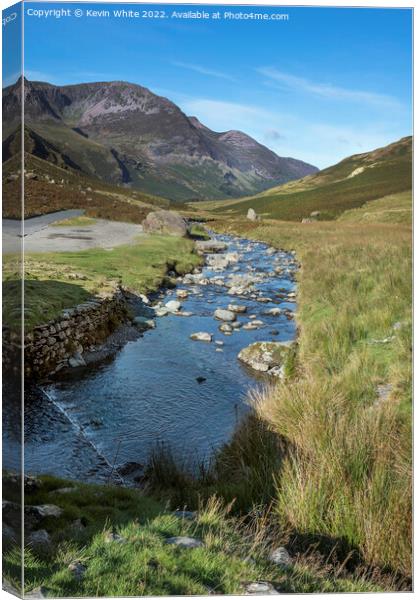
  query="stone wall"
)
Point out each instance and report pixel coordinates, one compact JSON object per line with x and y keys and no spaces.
{"x":61,"y":342}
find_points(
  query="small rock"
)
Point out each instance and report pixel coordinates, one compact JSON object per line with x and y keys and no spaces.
{"x":114,"y":537}
{"x":8,"y":534}
{"x":190,"y":515}
{"x":182,"y":293}
{"x":45,"y":510}
{"x":76,"y":361}
{"x":280,"y":557}
{"x":264,"y":299}
{"x":201,"y":336}
{"x":237,"y":308}
{"x":77,"y":569}
{"x":39,"y":592}
{"x":39,"y":538}
{"x":226,"y":328}
{"x":224,"y":315}
{"x":219,"y":343}
{"x":142,"y":323}
{"x":201,"y":379}
{"x":184,"y":313}
{"x":173,"y":305}
{"x":262,"y":588}
{"x":275,"y":312}
{"x":185,"y":542}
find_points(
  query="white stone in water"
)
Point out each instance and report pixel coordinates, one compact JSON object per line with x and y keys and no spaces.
{"x":219,"y":343}
{"x":225,"y":328}
{"x":173,"y":305}
{"x":201,"y":336}
{"x":237,"y":308}
{"x":273,"y":311}
{"x":224,"y":315}
{"x":182,"y":293}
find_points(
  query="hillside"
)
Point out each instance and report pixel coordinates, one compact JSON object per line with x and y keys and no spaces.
{"x":346,"y":185}
{"x":124,"y":134}
{"x":49,"y":188}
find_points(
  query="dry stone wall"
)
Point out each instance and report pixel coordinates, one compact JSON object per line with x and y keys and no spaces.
{"x":61,"y":342}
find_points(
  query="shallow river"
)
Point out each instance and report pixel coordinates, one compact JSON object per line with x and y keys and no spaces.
{"x":148,"y":394}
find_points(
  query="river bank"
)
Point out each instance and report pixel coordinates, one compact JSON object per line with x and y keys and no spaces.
{"x":347,"y":412}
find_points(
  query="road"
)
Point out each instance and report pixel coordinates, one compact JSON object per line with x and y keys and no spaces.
{"x":42,"y":236}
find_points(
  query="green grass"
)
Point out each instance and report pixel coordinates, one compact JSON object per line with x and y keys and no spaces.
{"x":54,"y":281}
{"x":234,"y":552}
{"x":396,"y":208}
{"x":332,"y":191}
{"x":75,"y":222}
{"x":348,"y":474}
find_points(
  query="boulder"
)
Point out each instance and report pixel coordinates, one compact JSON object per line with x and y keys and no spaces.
{"x":201,"y":336}
{"x":251,"y":215}
{"x":165,"y":222}
{"x":210,"y":247}
{"x":265,"y":356}
{"x":224,"y":315}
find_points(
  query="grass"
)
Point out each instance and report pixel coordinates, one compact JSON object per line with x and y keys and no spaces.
{"x":348,"y":473}
{"x":57,"y":188}
{"x":55,"y":281}
{"x":234,"y":552}
{"x":75,"y":222}
{"x":395,"y":208}
{"x":332,"y":191}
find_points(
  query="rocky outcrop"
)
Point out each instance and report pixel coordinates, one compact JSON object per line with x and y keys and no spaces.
{"x":165,"y":222}
{"x":266,"y":357}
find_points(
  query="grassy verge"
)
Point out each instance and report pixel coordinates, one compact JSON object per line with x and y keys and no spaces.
{"x":347,"y":413}
{"x":55,"y":281}
{"x":75,"y":222}
{"x":233,"y":552}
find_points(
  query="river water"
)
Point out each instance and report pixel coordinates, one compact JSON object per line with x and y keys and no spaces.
{"x":148,"y":394}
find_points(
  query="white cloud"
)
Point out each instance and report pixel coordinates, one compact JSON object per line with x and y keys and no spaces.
{"x":328,"y":91}
{"x":203,"y":70}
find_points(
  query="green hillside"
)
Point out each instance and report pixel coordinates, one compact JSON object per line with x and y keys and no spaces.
{"x":346,"y":185}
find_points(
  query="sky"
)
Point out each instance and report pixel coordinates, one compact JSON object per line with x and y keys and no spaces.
{"x":320,"y":86}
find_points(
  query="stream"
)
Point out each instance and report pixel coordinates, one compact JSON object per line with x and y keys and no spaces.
{"x":163,"y":389}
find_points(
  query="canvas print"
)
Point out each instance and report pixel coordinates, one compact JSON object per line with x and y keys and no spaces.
{"x":207,"y":272}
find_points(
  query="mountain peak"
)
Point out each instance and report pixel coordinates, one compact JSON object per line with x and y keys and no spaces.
{"x":124,"y":133}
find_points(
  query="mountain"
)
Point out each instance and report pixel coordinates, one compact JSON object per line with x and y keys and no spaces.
{"x":124,"y":134}
{"x":347,"y":185}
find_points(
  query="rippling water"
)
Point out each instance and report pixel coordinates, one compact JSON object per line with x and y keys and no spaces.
{"x":148,"y":394}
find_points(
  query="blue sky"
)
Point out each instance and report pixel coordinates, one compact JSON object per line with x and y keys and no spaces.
{"x":325,"y":84}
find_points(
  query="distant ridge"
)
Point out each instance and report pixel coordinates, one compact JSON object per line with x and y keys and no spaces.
{"x":122,"y":133}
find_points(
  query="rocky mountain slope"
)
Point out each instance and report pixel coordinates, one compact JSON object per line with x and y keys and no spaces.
{"x":123,"y":133}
